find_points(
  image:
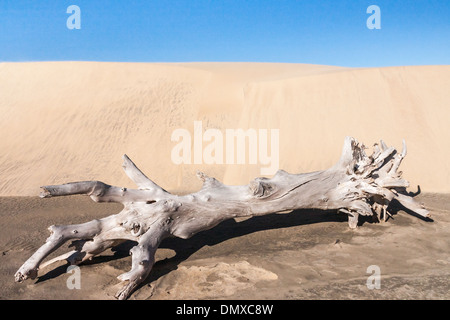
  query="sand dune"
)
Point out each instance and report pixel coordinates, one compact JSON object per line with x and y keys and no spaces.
{"x":71,"y":121}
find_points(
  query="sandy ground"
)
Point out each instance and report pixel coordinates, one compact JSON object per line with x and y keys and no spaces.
{"x":300,"y":255}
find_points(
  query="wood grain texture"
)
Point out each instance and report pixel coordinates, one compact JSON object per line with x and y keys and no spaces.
{"x":356,"y":185}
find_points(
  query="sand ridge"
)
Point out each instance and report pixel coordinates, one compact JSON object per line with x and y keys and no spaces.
{"x":70,"y":121}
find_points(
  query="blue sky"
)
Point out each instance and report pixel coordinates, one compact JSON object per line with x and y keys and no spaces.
{"x":413,"y":32}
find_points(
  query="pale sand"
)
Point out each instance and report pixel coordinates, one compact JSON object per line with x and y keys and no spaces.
{"x":70,"y":121}
{"x":301,"y":255}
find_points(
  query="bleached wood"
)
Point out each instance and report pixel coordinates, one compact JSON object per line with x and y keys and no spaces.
{"x":356,"y":185}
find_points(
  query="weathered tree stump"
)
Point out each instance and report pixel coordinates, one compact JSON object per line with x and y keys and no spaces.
{"x":356,"y":185}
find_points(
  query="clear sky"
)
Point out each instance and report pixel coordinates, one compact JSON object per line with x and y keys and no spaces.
{"x":413,"y":32}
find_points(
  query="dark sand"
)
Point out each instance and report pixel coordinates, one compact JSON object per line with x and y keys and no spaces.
{"x":300,"y":255}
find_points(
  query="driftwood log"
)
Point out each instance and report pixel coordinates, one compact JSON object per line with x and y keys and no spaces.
{"x":356,"y":185}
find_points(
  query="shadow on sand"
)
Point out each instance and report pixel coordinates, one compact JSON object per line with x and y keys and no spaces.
{"x":226,"y":230}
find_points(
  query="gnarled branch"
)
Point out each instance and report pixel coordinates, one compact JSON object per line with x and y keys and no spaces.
{"x":356,"y":185}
